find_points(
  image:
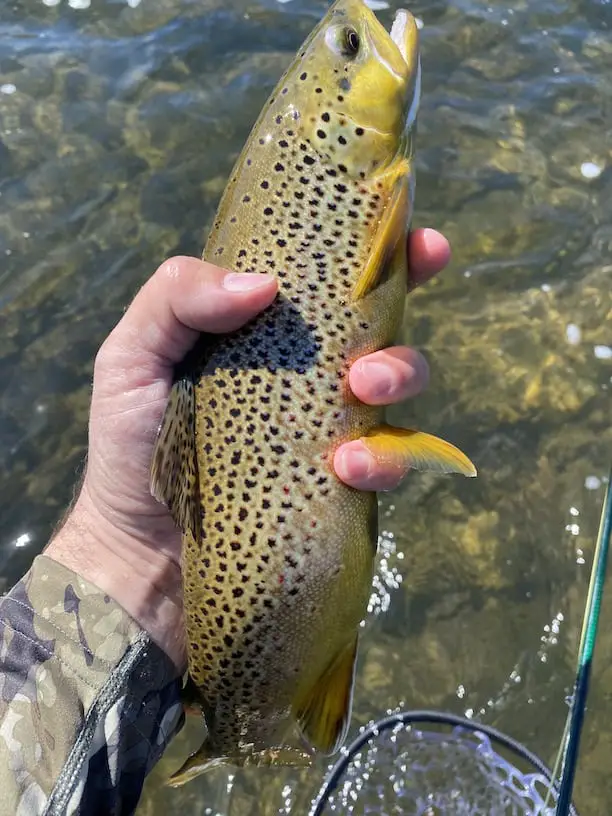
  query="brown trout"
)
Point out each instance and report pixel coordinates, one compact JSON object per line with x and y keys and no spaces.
{"x":278,"y":554}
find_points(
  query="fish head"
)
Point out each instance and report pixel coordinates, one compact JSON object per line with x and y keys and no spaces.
{"x":358,"y":88}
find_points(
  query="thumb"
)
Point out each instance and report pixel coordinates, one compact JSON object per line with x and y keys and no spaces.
{"x":184,"y":297}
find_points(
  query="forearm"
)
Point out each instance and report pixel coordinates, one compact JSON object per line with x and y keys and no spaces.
{"x":88,"y":702}
{"x":142,"y":579}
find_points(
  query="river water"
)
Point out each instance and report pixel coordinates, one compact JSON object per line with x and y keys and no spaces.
{"x":119,"y":124}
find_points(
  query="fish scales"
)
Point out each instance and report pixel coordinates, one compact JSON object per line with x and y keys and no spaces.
{"x":272,"y":402}
{"x":278,"y":553}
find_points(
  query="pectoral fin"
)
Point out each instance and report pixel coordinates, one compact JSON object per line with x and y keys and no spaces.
{"x":414,"y":449}
{"x":392,"y":229}
{"x":174,"y":469}
{"x":324,"y":714}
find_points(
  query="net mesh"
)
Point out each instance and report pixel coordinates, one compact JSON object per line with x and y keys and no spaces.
{"x":429,"y":773}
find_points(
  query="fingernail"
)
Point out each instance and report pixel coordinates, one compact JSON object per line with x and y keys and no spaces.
{"x":245,"y":281}
{"x":381,"y":379}
{"x":356,"y":464}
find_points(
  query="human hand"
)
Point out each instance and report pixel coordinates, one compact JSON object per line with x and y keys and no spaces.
{"x":117,"y":535}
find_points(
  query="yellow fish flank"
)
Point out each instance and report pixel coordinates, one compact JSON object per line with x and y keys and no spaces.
{"x":278,"y":554}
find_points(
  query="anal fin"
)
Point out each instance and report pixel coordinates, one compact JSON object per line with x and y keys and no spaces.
{"x":201,"y":761}
{"x":174,"y":468}
{"x":324,"y":714}
{"x":205,"y":760}
{"x":404,"y":448}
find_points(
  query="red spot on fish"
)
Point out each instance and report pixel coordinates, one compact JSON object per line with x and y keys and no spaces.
{"x":286,"y":490}
{"x":281,"y":578}
{"x":291,"y":417}
{"x":313,"y":523}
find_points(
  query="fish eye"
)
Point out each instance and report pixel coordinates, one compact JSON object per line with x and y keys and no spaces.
{"x":343,"y":40}
{"x":351,"y":42}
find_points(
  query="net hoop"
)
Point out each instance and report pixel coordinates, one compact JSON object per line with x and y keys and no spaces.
{"x":425,"y":717}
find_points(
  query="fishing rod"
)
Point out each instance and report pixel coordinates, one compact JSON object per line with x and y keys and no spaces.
{"x":568,"y":755}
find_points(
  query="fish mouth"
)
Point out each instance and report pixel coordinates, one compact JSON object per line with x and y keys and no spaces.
{"x":405,"y":35}
{"x":402,"y":33}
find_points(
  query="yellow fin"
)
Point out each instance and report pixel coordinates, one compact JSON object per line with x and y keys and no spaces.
{"x":415,"y":449}
{"x":324,"y":715}
{"x":174,"y":469}
{"x":392,"y":229}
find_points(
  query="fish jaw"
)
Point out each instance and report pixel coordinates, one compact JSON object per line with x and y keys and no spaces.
{"x":405,"y":34}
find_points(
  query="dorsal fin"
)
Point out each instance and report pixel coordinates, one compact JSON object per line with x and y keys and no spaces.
{"x":392,"y":229}
{"x":324,"y":714}
{"x":174,"y":469}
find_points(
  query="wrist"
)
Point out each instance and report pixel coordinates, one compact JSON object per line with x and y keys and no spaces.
{"x":145,"y":582}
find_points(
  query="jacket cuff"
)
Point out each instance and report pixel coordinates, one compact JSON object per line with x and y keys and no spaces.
{"x":88,"y":702}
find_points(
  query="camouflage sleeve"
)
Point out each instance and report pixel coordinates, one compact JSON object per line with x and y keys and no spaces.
{"x":88,"y":702}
